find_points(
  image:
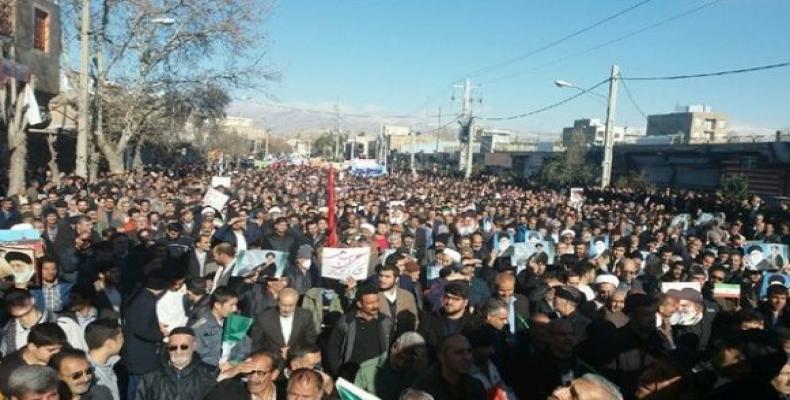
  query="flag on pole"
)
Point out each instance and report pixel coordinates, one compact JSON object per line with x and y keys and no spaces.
{"x":331,"y":239}
{"x":233,"y":331}
{"x":32,"y":116}
{"x":347,"y":391}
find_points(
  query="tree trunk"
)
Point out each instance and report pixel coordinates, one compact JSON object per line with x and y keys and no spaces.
{"x":114,"y":161}
{"x":53,"y":159}
{"x":137,"y":161}
{"x":17,"y":142}
{"x":93,"y":164}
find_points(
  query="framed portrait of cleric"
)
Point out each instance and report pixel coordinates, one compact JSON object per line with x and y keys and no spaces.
{"x":765,"y":256}
{"x":524,"y":253}
{"x":18,"y":265}
{"x":598,"y":244}
{"x":773,"y":279}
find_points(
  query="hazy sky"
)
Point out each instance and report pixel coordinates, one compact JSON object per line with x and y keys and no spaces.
{"x":402,"y":57}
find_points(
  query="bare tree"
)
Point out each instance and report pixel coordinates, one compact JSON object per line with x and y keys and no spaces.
{"x":147,"y":48}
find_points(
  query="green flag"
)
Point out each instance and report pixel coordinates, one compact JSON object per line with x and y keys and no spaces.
{"x":347,"y":391}
{"x":235,"y":328}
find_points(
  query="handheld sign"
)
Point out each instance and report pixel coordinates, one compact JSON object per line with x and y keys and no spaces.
{"x":341,"y":263}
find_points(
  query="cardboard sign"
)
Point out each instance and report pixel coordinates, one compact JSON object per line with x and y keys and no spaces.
{"x":341,"y":263}
{"x":215,"y":199}
{"x":223,"y":181}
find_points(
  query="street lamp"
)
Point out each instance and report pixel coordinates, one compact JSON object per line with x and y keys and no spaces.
{"x":566,"y":84}
{"x":167,"y":21}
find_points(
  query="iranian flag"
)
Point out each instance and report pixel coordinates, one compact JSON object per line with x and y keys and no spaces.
{"x":727,"y":291}
{"x":234,"y":330}
{"x":347,"y":391}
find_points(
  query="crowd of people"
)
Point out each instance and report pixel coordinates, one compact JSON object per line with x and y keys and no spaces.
{"x":622,"y":294}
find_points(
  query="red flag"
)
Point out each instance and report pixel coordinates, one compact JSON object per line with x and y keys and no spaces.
{"x":331,"y":238}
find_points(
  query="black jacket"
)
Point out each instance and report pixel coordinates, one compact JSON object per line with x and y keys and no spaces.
{"x":142,"y":337}
{"x":267,"y":334}
{"x":434,"y":327}
{"x":168,"y":383}
{"x":340,"y":345}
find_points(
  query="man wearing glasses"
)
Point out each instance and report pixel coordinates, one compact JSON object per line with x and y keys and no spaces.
{"x":76,"y":373}
{"x":253,"y":379}
{"x":182,"y":376}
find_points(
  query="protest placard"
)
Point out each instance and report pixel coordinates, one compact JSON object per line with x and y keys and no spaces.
{"x":341,"y":263}
{"x":223,"y":181}
{"x":215,"y":199}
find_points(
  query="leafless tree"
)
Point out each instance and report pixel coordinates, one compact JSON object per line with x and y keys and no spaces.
{"x":146,"y":49}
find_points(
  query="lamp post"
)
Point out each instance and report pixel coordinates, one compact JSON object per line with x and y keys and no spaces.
{"x":566,"y":84}
{"x":611,"y":109}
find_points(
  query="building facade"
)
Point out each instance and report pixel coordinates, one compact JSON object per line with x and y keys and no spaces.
{"x":694,"y":123}
{"x":32,"y":28}
{"x":592,"y":132}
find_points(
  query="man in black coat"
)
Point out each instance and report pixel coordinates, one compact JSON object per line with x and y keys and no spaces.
{"x":275,"y":330}
{"x":518,"y":304}
{"x":141,"y":332}
{"x":182,"y":376}
{"x":453,"y":317}
{"x":567,"y":300}
{"x":359,"y":335}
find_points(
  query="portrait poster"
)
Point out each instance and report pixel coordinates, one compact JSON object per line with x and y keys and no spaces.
{"x":523,"y":253}
{"x":18,"y":264}
{"x":248,"y":260}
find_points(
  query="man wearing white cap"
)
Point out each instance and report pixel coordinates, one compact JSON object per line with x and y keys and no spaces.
{"x":605,"y":285}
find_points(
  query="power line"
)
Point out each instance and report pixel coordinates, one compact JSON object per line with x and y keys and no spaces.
{"x":607,"y":43}
{"x":557,"y":41}
{"x":631,"y":98}
{"x":548,"y":107}
{"x":708,"y":74}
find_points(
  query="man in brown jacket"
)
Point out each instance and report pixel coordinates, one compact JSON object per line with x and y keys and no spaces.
{"x":396,"y":303}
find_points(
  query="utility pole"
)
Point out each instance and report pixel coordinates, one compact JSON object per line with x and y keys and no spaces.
{"x":608,"y":147}
{"x":83,"y":129}
{"x":438,"y":133}
{"x":337,"y":130}
{"x":413,"y":145}
{"x":465,"y":159}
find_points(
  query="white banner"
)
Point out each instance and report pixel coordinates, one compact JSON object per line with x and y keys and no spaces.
{"x":223,"y":181}
{"x":216,"y":199}
{"x":340,"y":263}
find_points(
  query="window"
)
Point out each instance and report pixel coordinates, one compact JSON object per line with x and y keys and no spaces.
{"x":7,"y":13}
{"x":710,"y":124}
{"x":41,"y":30}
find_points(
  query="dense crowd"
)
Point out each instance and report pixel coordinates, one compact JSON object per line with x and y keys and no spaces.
{"x":478,"y":289}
